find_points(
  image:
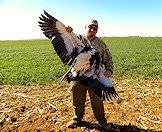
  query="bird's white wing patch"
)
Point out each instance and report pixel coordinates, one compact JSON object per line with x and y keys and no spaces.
{"x":71,"y":40}
{"x":82,"y":62}
{"x":61,"y":27}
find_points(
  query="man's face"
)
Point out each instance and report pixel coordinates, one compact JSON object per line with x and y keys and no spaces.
{"x":92,"y":30}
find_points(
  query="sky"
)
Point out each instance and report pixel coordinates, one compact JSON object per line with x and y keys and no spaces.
{"x":19,"y":18}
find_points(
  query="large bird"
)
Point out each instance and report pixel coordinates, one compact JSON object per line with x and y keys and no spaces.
{"x":83,"y":59}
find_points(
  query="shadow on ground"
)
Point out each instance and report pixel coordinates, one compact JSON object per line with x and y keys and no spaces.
{"x":87,"y":127}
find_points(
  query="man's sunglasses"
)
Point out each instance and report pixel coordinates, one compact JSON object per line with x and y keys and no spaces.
{"x":93,"y":27}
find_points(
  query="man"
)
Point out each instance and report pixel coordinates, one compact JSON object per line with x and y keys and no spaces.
{"x":79,"y":91}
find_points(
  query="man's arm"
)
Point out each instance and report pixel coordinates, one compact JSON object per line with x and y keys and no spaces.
{"x":107,"y":60}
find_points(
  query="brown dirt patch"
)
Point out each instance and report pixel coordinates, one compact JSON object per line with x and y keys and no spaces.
{"x":49,"y":108}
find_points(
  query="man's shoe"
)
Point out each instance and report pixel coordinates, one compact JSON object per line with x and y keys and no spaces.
{"x":73,"y":124}
{"x":109,"y":127}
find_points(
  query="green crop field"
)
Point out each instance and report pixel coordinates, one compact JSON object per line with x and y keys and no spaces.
{"x":136,"y":56}
{"x":31,"y":62}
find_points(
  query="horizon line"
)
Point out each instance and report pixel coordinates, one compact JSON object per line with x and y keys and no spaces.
{"x":97,"y":36}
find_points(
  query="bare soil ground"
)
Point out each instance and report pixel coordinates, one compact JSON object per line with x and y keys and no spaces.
{"x":49,"y":108}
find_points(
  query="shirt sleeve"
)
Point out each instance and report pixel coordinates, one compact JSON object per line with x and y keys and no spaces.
{"x":107,"y":58}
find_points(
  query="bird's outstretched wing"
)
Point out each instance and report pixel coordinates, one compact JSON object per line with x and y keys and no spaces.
{"x":65,"y":43}
{"x":102,"y":86}
{"x":87,"y":71}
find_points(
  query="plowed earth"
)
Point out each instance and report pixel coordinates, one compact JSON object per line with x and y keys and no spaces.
{"x":49,"y":108}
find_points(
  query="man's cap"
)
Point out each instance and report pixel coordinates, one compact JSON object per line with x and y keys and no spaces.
{"x":93,"y":22}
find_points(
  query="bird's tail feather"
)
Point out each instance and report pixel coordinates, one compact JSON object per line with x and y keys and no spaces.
{"x":102,"y":91}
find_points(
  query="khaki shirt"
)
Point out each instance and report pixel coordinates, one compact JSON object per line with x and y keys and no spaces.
{"x":98,"y":44}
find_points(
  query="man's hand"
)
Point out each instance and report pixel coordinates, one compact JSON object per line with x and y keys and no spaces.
{"x":108,"y":73}
{"x":69,"y":29}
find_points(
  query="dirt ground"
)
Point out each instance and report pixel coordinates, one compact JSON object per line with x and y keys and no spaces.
{"x":49,"y":108}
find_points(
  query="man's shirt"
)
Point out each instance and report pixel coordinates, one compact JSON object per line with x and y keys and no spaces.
{"x":98,"y":44}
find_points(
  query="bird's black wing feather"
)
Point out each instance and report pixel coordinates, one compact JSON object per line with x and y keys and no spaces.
{"x":99,"y":89}
{"x":64,"y":43}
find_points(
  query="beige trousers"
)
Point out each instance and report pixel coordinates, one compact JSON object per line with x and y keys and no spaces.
{"x":79,"y":97}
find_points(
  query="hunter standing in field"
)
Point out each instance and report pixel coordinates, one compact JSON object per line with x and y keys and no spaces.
{"x":79,"y":91}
